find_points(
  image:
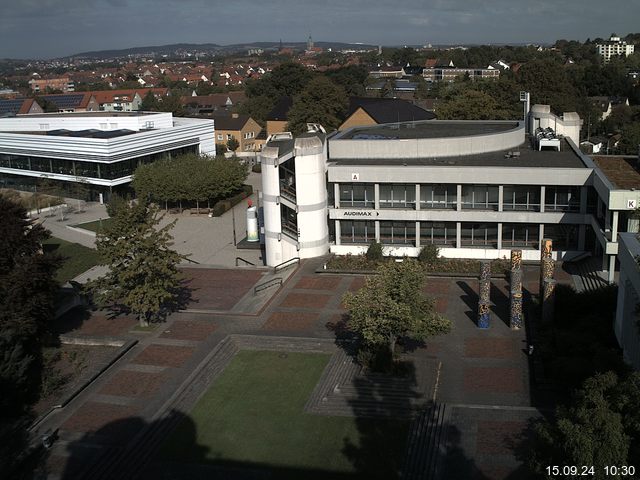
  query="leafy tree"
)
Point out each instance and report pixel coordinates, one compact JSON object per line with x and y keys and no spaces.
{"x":630,"y":141}
{"x":27,"y":294}
{"x":322,"y":101}
{"x":143,"y":277}
{"x":233,"y":144}
{"x":548,"y":83}
{"x":149,"y":103}
{"x":391,"y":305}
{"x":171,"y":103}
{"x":47,"y":105}
{"x":471,"y":105}
{"x":375,"y":252}
{"x":601,"y":427}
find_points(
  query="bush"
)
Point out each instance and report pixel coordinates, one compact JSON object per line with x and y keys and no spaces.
{"x":429,"y":254}
{"x":374,"y":252}
{"x":257,"y":168}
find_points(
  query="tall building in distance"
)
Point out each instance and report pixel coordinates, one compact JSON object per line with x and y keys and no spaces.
{"x":614,"y":47}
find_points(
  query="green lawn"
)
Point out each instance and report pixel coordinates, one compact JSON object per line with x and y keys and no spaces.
{"x":76,"y":258}
{"x":95,"y":225}
{"x":253,"y":417}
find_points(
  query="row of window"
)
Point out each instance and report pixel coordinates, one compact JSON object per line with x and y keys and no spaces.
{"x":445,"y":233}
{"x":445,"y":197}
{"x":78,"y":168}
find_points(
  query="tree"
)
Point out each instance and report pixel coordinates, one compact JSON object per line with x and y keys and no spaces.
{"x":233,"y":144}
{"x":27,"y":295}
{"x":471,"y":105}
{"x":321,"y":102}
{"x":143,"y":278}
{"x":391,"y":305}
{"x":601,"y":427}
{"x":149,"y":103}
{"x":630,"y":141}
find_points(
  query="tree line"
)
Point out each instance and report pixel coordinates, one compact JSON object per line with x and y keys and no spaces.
{"x":189,"y":178}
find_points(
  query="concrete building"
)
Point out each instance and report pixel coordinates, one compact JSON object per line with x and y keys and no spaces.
{"x":614,"y":47}
{"x":64,"y":84}
{"x":474,"y":188}
{"x":100,"y":150}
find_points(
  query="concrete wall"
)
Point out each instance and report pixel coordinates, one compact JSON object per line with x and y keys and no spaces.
{"x":626,"y":327}
{"x":454,"y":146}
{"x":78,"y":121}
{"x":568,"y":125}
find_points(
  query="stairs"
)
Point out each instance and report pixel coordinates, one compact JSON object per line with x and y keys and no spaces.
{"x":425,"y":443}
{"x":586,"y":275}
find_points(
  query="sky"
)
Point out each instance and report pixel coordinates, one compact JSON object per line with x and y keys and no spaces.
{"x":55,"y":28}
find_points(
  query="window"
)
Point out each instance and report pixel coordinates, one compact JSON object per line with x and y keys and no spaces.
{"x":44,"y":126}
{"x":398,"y":233}
{"x":397,"y":196}
{"x":289,"y":221}
{"x":520,"y":235}
{"x":357,"y":232}
{"x":562,"y":199}
{"x":565,"y":237}
{"x":220,"y":137}
{"x":438,"y":196}
{"x":521,"y":197}
{"x":356,"y":195}
{"x":229,"y":136}
{"x":480,"y":197}
{"x":438,"y":233}
{"x":479,"y":235}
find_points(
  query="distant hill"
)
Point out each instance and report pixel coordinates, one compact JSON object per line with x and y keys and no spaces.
{"x":209,"y":48}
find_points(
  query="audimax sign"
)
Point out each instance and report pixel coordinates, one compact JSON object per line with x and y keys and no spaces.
{"x":360,"y":213}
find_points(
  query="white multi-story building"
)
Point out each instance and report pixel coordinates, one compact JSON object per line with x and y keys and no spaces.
{"x":476,"y":189}
{"x":99,"y":149}
{"x":614,"y":47}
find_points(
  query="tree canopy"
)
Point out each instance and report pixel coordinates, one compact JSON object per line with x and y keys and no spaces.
{"x":391,"y":305}
{"x":143,"y":278}
{"x":322,"y":101}
{"x":189,"y":178}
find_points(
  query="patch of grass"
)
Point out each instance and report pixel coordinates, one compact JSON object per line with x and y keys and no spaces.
{"x":96,"y":225}
{"x":254,"y":416}
{"x":76,"y":258}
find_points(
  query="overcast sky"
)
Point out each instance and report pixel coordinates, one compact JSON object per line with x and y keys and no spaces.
{"x":51,"y":28}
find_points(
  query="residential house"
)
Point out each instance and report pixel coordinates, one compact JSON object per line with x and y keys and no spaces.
{"x":614,"y":47}
{"x":277,"y":118}
{"x":63,"y":84}
{"x":210,"y":104}
{"x":364,"y":111}
{"x":74,"y":102}
{"x":606,"y":104}
{"x":241,"y":127}
{"x":19,"y":106}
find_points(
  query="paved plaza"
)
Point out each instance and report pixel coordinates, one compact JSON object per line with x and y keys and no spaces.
{"x":480,"y":376}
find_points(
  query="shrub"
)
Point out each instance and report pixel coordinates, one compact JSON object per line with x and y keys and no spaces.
{"x":429,"y":254}
{"x":257,"y":168}
{"x":374,"y":252}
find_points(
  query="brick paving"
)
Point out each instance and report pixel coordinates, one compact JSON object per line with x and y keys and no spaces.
{"x":291,"y":321}
{"x":133,"y":384}
{"x":219,"y":289}
{"x":493,"y":379}
{"x":189,"y":330}
{"x":306,"y":300}
{"x":77,"y":322}
{"x":475,"y":368}
{"x":164,"y":355}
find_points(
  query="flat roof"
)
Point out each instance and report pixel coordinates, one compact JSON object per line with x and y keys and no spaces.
{"x":528,"y":157}
{"x":426,"y":129}
{"x":88,"y":114}
{"x":622,"y":171}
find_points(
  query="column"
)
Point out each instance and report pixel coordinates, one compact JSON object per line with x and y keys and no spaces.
{"x":458,"y":235}
{"x":614,"y":226}
{"x":336,"y":194}
{"x":458,"y":197}
{"x":515,"y":311}
{"x":376,"y":196}
{"x":542,"y":199}
{"x":500,"y":197}
{"x":484,"y":295}
{"x":499,"y":236}
{"x":612,"y":269}
{"x":417,"y":196}
{"x":378,"y":231}
{"x":418,"y":234}
{"x":338,"y":233}
{"x":548,"y":300}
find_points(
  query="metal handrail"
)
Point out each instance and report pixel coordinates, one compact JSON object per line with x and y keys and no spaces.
{"x":286,"y":264}
{"x":247,"y":262}
{"x":267,"y":284}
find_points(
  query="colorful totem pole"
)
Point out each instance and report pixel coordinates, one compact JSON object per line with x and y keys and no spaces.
{"x":546,"y":248}
{"x":515,"y":300}
{"x":484,"y":295}
{"x":548,"y":299}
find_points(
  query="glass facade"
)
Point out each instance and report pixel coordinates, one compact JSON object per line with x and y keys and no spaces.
{"x":521,"y":197}
{"x":520,"y":235}
{"x":357,"y":195}
{"x":79,"y":168}
{"x":562,"y":199}
{"x":438,"y":233}
{"x":442,"y":197}
{"x":397,"y":196}
{"x":360,"y":232}
{"x":480,"y":197}
{"x":289,"y":221}
{"x":398,"y":233}
{"x":479,"y":235}
{"x":565,"y":237}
